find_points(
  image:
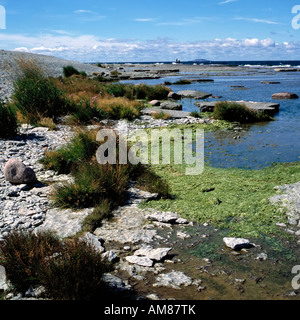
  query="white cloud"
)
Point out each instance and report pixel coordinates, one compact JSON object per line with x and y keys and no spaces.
{"x":257,"y":20}
{"x":83,"y":11}
{"x":186,"y":22}
{"x":227,"y":1}
{"x":144,"y":19}
{"x":90,"y":48}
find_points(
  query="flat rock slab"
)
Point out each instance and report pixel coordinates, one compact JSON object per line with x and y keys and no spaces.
{"x":266,"y":107}
{"x":237,"y":243}
{"x":173,"y":113}
{"x":174,"y":279}
{"x":65,"y":223}
{"x":194,"y":94}
{"x":166,"y":217}
{"x":154,"y":254}
{"x":141,"y":261}
{"x":171,"y":105}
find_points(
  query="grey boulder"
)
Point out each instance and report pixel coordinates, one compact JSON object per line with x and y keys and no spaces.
{"x":16,"y":172}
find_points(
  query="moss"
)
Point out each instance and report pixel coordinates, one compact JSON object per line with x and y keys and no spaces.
{"x":238,"y":200}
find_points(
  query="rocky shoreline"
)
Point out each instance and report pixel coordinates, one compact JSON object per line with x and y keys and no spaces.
{"x":144,"y":244}
{"x":148,"y":247}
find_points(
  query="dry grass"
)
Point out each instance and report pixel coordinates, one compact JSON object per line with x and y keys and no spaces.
{"x":161,"y":115}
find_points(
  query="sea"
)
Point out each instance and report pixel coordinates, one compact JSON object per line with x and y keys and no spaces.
{"x":253,"y":146}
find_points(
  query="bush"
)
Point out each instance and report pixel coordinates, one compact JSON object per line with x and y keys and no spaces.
{"x":69,"y":71}
{"x":118,"y":108}
{"x":8,"y":121}
{"x":120,"y":90}
{"x":21,"y":256}
{"x":76,"y":273}
{"x":82,"y":147}
{"x":157,"y":92}
{"x":72,"y":270}
{"x":36,"y":96}
{"x":232,"y":111}
{"x":84,"y":113}
{"x":93,"y":183}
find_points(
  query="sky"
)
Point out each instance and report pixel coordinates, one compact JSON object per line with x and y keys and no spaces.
{"x":153,"y":30}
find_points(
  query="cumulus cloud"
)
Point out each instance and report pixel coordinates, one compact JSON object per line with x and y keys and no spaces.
{"x":89,"y":48}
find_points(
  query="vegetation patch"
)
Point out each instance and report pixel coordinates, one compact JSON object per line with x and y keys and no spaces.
{"x":36,"y":96}
{"x":235,"y":112}
{"x":8,"y":121}
{"x":161,"y":115}
{"x":237,"y":200}
{"x":69,"y":270}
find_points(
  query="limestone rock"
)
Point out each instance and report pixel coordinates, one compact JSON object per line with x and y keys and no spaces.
{"x":153,"y":254}
{"x":174,"y":96}
{"x":237,"y":243}
{"x":16,"y":172}
{"x":193,"y":94}
{"x":3,"y":279}
{"x":171,"y":106}
{"x":155,"y":103}
{"x":94,"y":241}
{"x":174,"y":279}
{"x":284,"y":95}
{"x":141,"y":261}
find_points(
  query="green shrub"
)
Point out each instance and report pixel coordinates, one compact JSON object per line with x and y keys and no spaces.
{"x":8,"y":121}
{"x":120,"y":90}
{"x":93,"y":183}
{"x":69,"y":71}
{"x":84,"y":113}
{"x":82,"y":147}
{"x":76,"y":273}
{"x":36,"y":96}
{"x":232,"y":111}
{"x":21,"y":256}
{"x":145,"y":92}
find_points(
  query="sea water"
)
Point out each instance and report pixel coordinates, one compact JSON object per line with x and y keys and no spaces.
{"x":253,"y":146}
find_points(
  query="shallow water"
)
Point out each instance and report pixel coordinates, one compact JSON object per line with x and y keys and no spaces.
{"x":258,"y":145}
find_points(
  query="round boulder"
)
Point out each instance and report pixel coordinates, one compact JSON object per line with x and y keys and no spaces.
{"x":16,"y":172}
{"x":284,"y":95}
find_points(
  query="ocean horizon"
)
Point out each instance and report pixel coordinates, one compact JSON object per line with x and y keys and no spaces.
{"x":245,"y":63}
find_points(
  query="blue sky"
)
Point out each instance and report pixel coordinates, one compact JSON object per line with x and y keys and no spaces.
{"x":152,"y":30}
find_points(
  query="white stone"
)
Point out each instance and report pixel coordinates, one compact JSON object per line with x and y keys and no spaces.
{"x":237,"y":243}
{"x":141,"y":261}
